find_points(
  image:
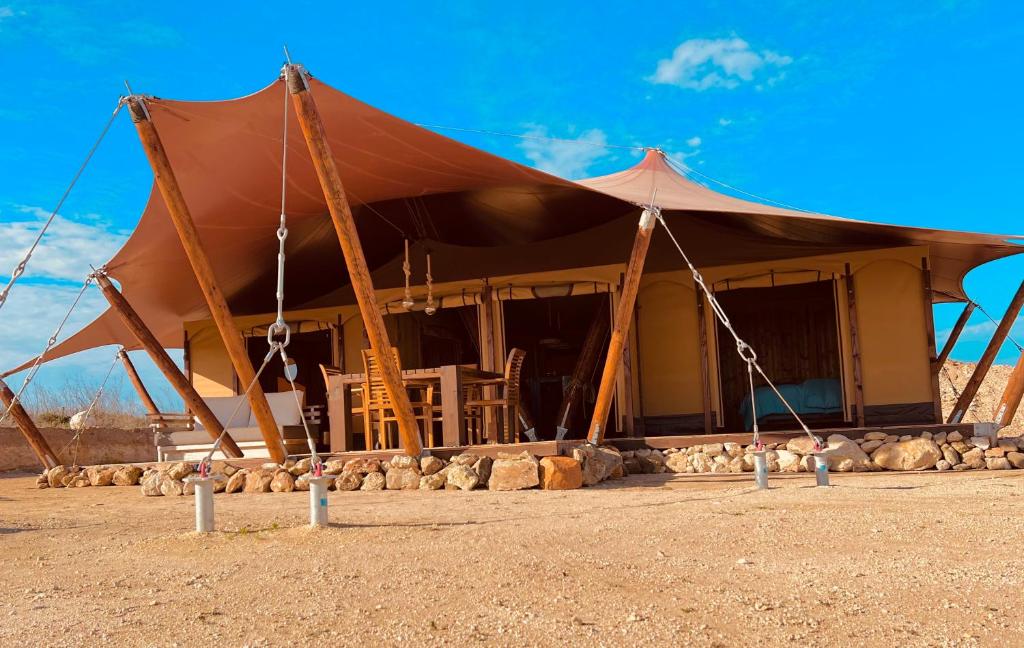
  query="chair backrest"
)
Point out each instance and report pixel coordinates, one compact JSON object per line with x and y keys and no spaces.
{"x":374,"y":390}
{"x":513,"y":370}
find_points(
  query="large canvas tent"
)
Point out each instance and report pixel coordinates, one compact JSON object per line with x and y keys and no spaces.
{"x":488,"y":221}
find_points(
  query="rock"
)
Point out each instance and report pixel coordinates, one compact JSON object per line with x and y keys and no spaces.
{"x":483,"y":467}
{"x":348,"y":481}
{"x":55,"y":476}
{"x":633,"y":465}
{"x":713,"y":449}
{"x":982,"y":442}
{"x":179,"y":470}
{"x":995,"y":452}
{"x":78,"y":481}
{"x":127,"y":476}
{"x":1007,"y":445}
{"x":954,"y":436}
{"x":41,"y":481}
{"x":926,"y":435}
{"x":802,"y":445}
{"x":560,"y":473}
{"x":787,"y":461}
{"x":676,"y":462}
{"x":940,"y":438}
{"x":961,"y":446}
{"x":335,"y":466}
{"x":942,"y":464}
{"x":771,"y":458}
{"x":433,"y":481}
{"x":462,"y":477}
{"x":282,"y":482}
{"x":188,"y":487}
{"x":915,"y":454}
{"x":405,"y":461}
{"x":100,"y":475}
{"x":236,"y":482}
{"x":870,"y":446}
{"x":1016,"y":459}
{"x":961,"y":466}
{"x":612,"y":459}
{"x":170,"y":487}
{"x":907,"y":437}
{"x":846,"y":456}
{"x":466,"y":459}
{"x":402,"y":478}
{"x":950,"y":455}
{"x":362,"y":466}
{"x":373,"y":482}
{"x":516,"y":472}
{"x":592,"y":466}
{"x":807,"y":464}
{"x":301,"y":467}
{"x":748,"y":462}
{"x":891,"y":438}
{"x":220,"y":482}
{"x":654,"y":461}
{"x":998,"y":463}
{"x":875,"y":436}
{"x":431,"y":465}
{"x":258,"y":481}
{"x":70,"y":475}
{"x":302,"y":482}
{"x":223,"y":468}
{"x":733,"y":449}
{"x":975,"y":458}
{"x":151,"y":485}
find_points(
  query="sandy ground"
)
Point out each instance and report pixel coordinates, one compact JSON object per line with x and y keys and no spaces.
{"x":881,"y":559}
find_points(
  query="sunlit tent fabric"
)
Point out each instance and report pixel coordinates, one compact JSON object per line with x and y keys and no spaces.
{"x":480,"y":214}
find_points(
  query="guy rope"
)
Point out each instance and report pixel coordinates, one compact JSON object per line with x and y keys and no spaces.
{"x":82,"y":424}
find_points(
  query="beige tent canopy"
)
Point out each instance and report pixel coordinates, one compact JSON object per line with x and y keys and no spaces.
{"x":480,"y":216}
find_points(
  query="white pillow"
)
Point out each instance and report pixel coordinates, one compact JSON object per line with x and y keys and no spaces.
{"x":223,"y":406}
{"x":282,"y":406}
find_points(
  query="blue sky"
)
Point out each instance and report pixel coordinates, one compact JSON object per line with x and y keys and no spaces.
{"x":864,"y":110}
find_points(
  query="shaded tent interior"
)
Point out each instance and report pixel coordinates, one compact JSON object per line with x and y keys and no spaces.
{"x":487,"y":221}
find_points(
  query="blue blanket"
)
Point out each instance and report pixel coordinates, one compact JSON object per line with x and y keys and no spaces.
{"x":815,"y":396}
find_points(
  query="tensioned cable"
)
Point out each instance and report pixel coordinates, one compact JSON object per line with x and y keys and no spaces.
{"x":20,"y":268}
{"x":83,"y":424}
{"x":686,"y":169}
{"x":49,"y":345}
{"x":991,"y":319}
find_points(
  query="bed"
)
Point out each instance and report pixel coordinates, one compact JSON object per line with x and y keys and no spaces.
{"x":816,"y":399}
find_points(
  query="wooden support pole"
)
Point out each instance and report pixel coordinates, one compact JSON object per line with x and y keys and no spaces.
{"x":988,"y":357}
{"x":1010,"y":400}
{"x":929,"y":327}
{"x":623,"y":316}
{"x":584,"y":369}
{"x":167,"y":183}
{"x":359,"y":274}
{"x":28,"y":428}
{"x":136,"y":381}
{"x":193,"y":402}
{"x":954,"y":335}
{"x":705,"y":364}
{"x":858,"y":380}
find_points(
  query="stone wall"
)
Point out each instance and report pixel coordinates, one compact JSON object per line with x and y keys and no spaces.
{"x":98,"y":446}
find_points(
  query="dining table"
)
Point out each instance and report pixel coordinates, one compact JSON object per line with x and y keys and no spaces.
{"x":451,"y":378}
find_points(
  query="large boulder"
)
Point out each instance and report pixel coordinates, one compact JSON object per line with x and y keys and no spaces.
{"x":301,"y":467}
{"x":405,"y":461}
{"x":55,"y":476}
{"x":258,"y":481}
{"x":1016,"y":459}
{"x":514,"y":472}
{"x":433,"y":481}
{"x":482,"y":467}
{"x":127,"y":476}
{"x":591,"y":466}
{"x":170,"y":487}
{"x":788,"y":462}
{"x":373,"y":482}
{"x":678,"y":462}
{"x":100,"y":475}
{"x":801,"y":445}
{"x":461,"y":477}
{"x":844,"y":455}
{"x":402,"y":477}
{"x":151,"y":485}
{"x":179,"y":470}
{"x":913,"y":454}
{"x":348,"y":481}
{"x":560,"y":473}
{"x":283,"y":482}
{"x":974,"y":458}
{"x":430,"y":465}
{"x":236,"y":482}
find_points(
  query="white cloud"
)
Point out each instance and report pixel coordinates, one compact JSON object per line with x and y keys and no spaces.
{"x":66,"y":250}
{"x":982,"y":332}
{"x":569,"y":158}
{"x":6,"y":12}
{"x":722,"y":121}
{"x":693,"y":142}
{"x":700,"y":64}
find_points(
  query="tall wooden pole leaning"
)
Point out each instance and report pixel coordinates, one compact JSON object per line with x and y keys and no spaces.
{"x":583,"y":371}
{"x":193,"y":402}
{"x":359,"y":274}
{"x":954,"y":335}
{"x":623,"y":317}
{"x":1010,"y":400}
{"x":28,"y":428}
{"x":988,"y":357}
{"x":203,"y":269}
{"x":140,"y":389}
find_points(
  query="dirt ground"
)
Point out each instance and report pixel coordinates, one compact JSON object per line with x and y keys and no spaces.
{"x":879,"y":559}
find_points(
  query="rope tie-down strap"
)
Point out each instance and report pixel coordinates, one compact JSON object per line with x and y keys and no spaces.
{"x":745,"y":351}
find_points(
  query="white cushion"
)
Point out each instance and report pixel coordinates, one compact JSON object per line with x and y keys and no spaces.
{"x":282,"y":406}
{"x":223,"y":406}
{"x":191,"y":437}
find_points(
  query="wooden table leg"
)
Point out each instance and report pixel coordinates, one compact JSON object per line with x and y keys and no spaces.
{"x":339,"y":410}
{"x":453,"y":422}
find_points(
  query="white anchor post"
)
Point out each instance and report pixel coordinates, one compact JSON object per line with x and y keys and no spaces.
{"x":204,"y":503}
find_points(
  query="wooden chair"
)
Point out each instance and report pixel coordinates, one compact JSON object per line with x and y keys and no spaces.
{"x":506,"y":402}
{"x":377,"y":406}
